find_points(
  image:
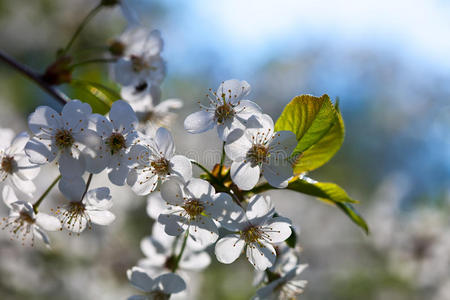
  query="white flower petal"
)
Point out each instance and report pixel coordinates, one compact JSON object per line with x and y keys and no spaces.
{"x":99,"y":198}
{"x":9,"y":196}
{"x":283,"y":142}
{"x":164,"y":142}
{"x":204,"y":230}
{"x":261,"y":255}
{"x":25,"y":186}
{"x":228,"y":213}
{"x":229,"y":248}
{"x":181,"y":166}
{"x":45,"y":118}
{"x":171,"y":192}
{"x":142,"y":183}
{"x":26,"y":170}
{"x":40,"y":234}
{"x":170,"y":283}
{"x":199,"y":122}
{"x":101,"y":217}
{"x":122,"y":116}
{"x":247,"y":108}
{"x":155,"y":205}
{"x":195,"y":261}
{"x":75,"y":114}
{"x":72,"y":188}
{"x":101,"y":125}
{"x":237,"y":145}
{"x":168,"y":104}
{"x":225,"y":129}
{"x":6,"y":136}
{"x":278,"y":229}
{"x":173,"y":224}
{"x":244,"y":175}
{"x":140,"y":279}
{"x":39,"y":153}
{"x":234,"y":89}
{"x":47,"y":222}
{"x":118,"y":174}
{"x":259,"y":209}
{"x":199,"y":188}
{"x":71,"y":166}
{"x":278,"y":173}
{"x":19,"y":142}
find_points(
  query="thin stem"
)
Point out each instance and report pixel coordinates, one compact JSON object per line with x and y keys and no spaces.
{"x":86,"y":20}
{"x":39,"y":201}
{"x":203,"y":168}
{"x":93,"y":61}
{"x":88,"y":183}
{"x":27,"y":72}
{"x":183,"y":246}
{"x":222,"y":159}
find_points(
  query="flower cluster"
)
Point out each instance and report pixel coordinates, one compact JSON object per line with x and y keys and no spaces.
{"x":217,"y":212}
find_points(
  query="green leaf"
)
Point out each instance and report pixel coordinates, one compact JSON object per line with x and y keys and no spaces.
{"x":353,"y":214}
{"x":319,"y":129}
{"x":330,"y":193}
{"x":99,"y":96}
{"x":325,"y":191}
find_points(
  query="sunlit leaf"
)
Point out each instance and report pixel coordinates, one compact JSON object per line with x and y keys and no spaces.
{"x":319,"y":129}
{"x":99,"y":96}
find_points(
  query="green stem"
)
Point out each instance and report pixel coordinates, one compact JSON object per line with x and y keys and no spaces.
{"x":222,"y":159}
{"x":88,"y":183}
{"x":261,"y":188}
{"x":39,"y":201}
{"x":183,"y":246}
{"x":30,"y":74}
{"x":86,"y":20}
{"x":93,"y":61}
{"x":203,"y":169}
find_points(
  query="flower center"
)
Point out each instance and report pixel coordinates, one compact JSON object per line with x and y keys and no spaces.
{"x":252,"y":234}
{"x":193,"y":208}
{"x":20,"y":227}
{"x":117,"y":48}
{"x":138,"y":64}
{"x":116,"y":142}
{"x":8,"y":164}
{"x":170,"y":262}
{"x":223,"y":113}
{"x":158,"y":295}
{"x":74,"y":214}
{"x":258,"y":153}
{"x":161,"y":166}
{"x":64,"y":139}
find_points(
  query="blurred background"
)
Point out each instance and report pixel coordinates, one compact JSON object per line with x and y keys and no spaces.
{"x":387,"y":61}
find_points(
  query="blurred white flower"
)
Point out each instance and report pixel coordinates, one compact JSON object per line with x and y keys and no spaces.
{"x":161,"y":251}
{"x":227,"y":110}
{"x":24,"y":223}
{"x":60,"y":136}
{"x":288,"y":286}
{"x":117,"y":135}
{"x":84,"y":208}
{"x":161,"y":287}
{"x":191,"y":207}
{"x":157,"y":161}
{"x":257,"y":231}
{"x":258,"y":151}
{"x":15,"y":166}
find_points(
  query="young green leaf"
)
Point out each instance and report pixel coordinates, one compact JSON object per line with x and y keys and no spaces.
{"x":99,"y":96}
{"x":319,"y":129}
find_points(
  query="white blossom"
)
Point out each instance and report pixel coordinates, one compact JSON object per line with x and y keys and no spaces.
{"x":192,"y":207}
{"x":113,"y":150}
{"x":159,"y":288}
{"x":256,"y":230}
{"x":15,"y":166}
{"x":23,"y":222}
{"x":84,"y":208}
{"x":227,"y":109}
{"x":161,"y":251}
{"x":287,"y":287}
{"x":60,"y":136}
{"x":156,"y":161}
{"x":256,"y":151}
